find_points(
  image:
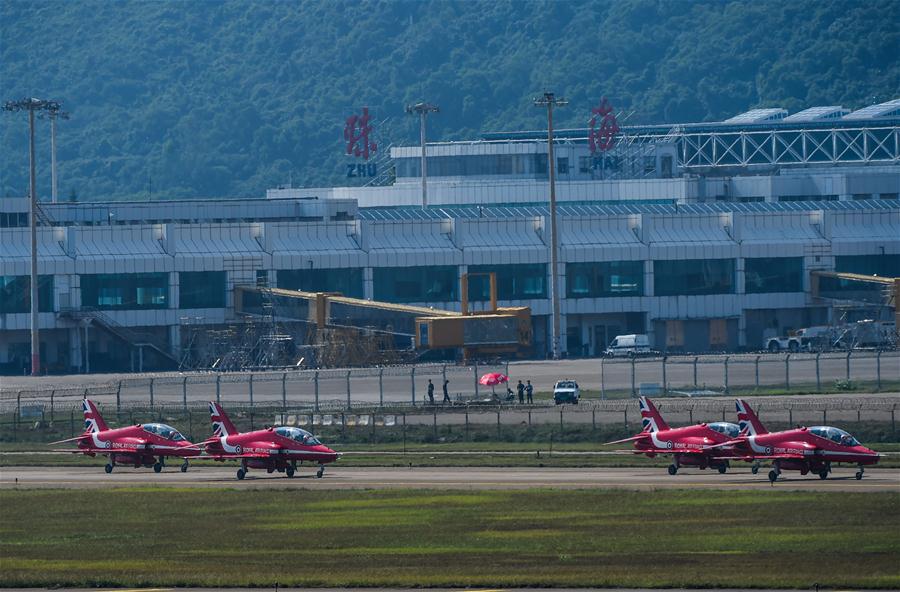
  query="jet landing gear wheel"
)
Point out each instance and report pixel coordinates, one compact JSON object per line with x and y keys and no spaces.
{"x":722,"y":469}
{"x":289,"y":471}
{"x":754,"y":469}
{"x":184,"y":467}
{"x":859,"y":473}
{"x":240,"y":474}
{"x":320,"y":472}
{"x":773,"y":475}
{"x":673,"y":469}
{"x":109,"y":467}
{"x":157,"y":467}
{"x":823,"y":474}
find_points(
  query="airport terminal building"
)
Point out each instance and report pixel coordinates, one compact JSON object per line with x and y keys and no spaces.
{"x":703,"y":236}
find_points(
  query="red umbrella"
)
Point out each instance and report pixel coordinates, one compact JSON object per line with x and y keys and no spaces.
{"x":493,"y":379}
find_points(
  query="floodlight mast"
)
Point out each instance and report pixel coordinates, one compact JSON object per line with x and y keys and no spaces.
{"x":549,"y":100}
{"x":32,"y":106}
{"x":53,"y":114}
{"x":423,"y":109}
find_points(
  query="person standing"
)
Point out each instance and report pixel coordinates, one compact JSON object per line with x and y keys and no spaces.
{"x":520,"y":390}
{"x":446,"y":392}
{"x":529,"y":390}
{"x":430,"y":392}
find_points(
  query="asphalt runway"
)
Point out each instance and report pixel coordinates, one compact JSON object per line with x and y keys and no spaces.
{"x":842,"y":479}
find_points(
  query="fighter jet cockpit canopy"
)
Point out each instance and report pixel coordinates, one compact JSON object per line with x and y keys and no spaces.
{"x":163,"y":431}
{"x":836,"y":435}
{"x":723,"y":427}
{"x":298,"y":435}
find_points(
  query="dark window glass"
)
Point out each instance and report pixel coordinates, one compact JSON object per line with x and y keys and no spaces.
{"x":604,"y":279}
{"x":562,"y":165}
{"x":201,"y":289}
{"x":130,"y":291}
{"x":15,"y":293}
{"x":514,"y":282}
{"x":416,"y":284}
{"x":773,"y":274}
{"x":693,"y":277}
{"x":881,"y":265}
{"x":348,"y":282}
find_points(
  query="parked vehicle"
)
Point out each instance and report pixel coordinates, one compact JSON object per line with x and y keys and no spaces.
{"x":566,"y":391}
{"x":776,"y":344}
{"x":628,"y":345}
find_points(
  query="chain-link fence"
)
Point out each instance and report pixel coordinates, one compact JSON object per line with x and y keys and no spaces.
{"x":407,"y":386}
{"x":873,"y":414}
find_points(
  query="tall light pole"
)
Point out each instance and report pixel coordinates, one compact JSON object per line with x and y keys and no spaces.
{"x":423,"y":109}
{"x":53,"y":114}
{"x":549,"y":100}
{"x":33,"y":105}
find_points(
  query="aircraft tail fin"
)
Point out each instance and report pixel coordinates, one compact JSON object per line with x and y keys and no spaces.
{"x":221,"y":423}
{"x":651,"y":420}
{"x":93,"y":421}
{"x":747,"y":419}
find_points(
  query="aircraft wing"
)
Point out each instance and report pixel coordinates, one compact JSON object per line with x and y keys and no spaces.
{"x":734,"y":442}
{"x":641,"y":436}
{"x":81,"y":437}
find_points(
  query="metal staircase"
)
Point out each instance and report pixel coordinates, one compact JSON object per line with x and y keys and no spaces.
{"x":126,"y":334}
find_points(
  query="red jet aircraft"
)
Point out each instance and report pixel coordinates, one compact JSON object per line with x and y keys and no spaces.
{"x":273,"y":449}
{"x":139,"y":445}
{"x":688,"y":445}
{"x":808,"y":450}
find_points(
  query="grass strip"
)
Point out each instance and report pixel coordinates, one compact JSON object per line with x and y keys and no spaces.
{"x":595,"y":538}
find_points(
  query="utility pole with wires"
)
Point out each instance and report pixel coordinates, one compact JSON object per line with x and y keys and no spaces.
{"x":423,"y":109}
{"x":53,"y":114}
{"x":550,"y":100}
{"x":32,"y":106}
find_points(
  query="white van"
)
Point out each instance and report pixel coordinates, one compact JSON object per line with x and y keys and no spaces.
{"x":628,"y":345}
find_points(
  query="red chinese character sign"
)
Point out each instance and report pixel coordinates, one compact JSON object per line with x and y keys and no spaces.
{"x":603,"y":127}
{"x":356,"y":134}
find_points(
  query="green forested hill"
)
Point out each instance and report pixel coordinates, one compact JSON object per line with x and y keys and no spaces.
{"x":206,"y":98}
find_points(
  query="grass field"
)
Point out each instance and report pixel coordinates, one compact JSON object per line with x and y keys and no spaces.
{"x":147,"y":537}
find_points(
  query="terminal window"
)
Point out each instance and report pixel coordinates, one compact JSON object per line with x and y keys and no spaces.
{"x":15,"y":293}
{"x":604,"y":279}
{"x":514,"y":282}
{"x":201,"y":289}
{"x":129,"y":291}
{"x":348,"y":282}
{"x":416,"y":284}
{"x":693,"y":277}
{"x":766,"y":275}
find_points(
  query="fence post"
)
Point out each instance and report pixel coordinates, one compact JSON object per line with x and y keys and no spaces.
{"x":787,"y":372}
{"x":877,"y":374}
{"x":691,"y":415}
{"x":381,"y":387}
{"x":498,"y":423}
{"x":151,"y":392}
{"x":602,"y":388}
{"x":118,"y":400}
{"x":316,"y":386}
{"x":825,"y":415}
{"x":218,"y":388}
{"x":695,"y":372}
{"x":790,"y":415}
{"x":818,"y":375}
{"x":726,"y":375}
{"x":412,"y":384}
{"x":625,"y":416}
{"x":18,"y":414}
{"x":665,"y":385}
{"x":348,"y":389}
{"x":184,"y":393}
{"x":633,"y":389}
{"x":284,"y":392}
{"x":404,"y":432}
{"x":51,"y":404}
{"x":561,"y":418}
{"x":893,"y":420}
{"x":250,"y":389}
{"x":757,"y":372}
{"x":434,"y":424}
{"x":467,"y":422}
{"x":72,"y":421}
{"x":506,"y":367}
{"x":475,"y":378}
{"x":850,"y":351}
{"x":593,"y":419}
